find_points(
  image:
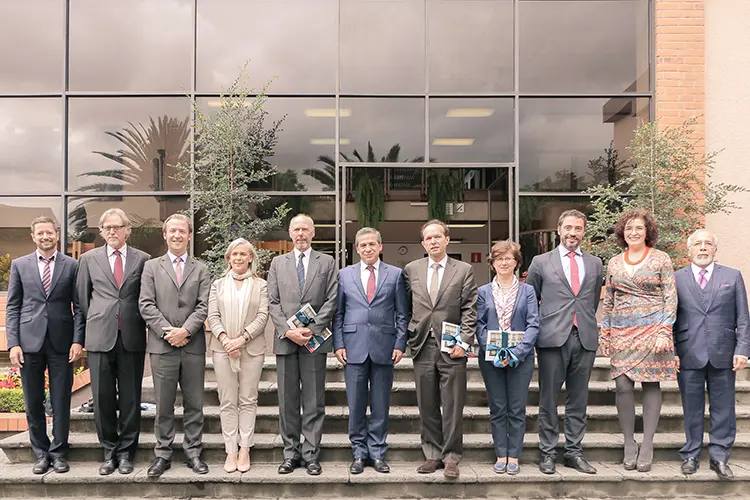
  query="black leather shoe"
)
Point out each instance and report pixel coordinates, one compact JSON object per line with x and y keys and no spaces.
{"x":41,"y":466}
{"x":357,"y":466}
{"x":198,"y":465}
{"x":158,"y":467}
{"x":288,"y":465}
{"x":125,"y":466}
{"x":547,"y":465}
{"x":313,"y":468}
{"x":721,"y":469}
{"x":381,"y":466}
{"x":60,"y":465}
{"x":690,"y":466}
{"x":108,"y":467}
{"x":580,"y":464}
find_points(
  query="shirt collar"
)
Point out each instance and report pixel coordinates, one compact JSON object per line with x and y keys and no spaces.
{"x":376,"y":265}
{"x":442,"y":261}
{"x":697,"y":270}
{"x":40,"y":256}
{"x":123,"y":250}
{"x":306,"y":252}
{"x":564,"y":251}
{"x":172,"y":257}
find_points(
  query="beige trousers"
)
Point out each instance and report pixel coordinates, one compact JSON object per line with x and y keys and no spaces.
{"x":238,"y":398}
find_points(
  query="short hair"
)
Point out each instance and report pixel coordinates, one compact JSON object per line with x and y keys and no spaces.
{"x":368,"y":230}
{"x":178,"y":216}
{"x":234,"y":244}
{"x":703,"y":229}
{"x":114,"y":211}
{"x":652,"y":228}
{"x":505,"y":246}
{"x":572,"y":213}
{"x":44,"y":220}
{"x":301,"y":216}
{"x":446,"y":229}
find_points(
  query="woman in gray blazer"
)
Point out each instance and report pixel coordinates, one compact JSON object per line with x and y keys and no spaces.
{"x":237,"y":316}
{"x":506,"y":304}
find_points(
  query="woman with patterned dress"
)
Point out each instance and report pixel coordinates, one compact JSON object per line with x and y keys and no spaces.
{"x":640,"y":305}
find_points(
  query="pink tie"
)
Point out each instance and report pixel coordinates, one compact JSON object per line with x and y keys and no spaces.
{"x":371,"y":284}
{"x":178,"y":270}
{"x":118,"y":268}
{"x":702,"y":281}
{"x":575,"y":281}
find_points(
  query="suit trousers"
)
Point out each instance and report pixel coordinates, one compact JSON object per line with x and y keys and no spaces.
{"x":116,"y":380}
{"x":507,"y":392}
{"x":572,"y":364}
{"x":238,"y":398}
{"x":187,"y":370}
{"x":440,"y":383}
{"x":302,"y":377}
{"x":60,"y":385}
{"x":720,"y":384}
{"x":371,"y":382}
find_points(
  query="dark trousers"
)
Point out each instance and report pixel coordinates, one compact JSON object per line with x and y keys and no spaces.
{"x":371,"y":382}
{"x":572,"y":364}
{"x":507,"y":392}
{"x":721,"y":406}
{"x":116,"y":380}
{"x":440,"y":383}
{"x":60,"y":385}
{"x":302,"y":378}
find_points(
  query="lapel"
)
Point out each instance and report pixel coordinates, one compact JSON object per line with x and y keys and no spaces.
{"x":381,"y":278}
{"x":448,"y":274}
{"x":103,"y":261}
{"x":312,"y":270}
{"x":714,"y":284}
{"x":422,"y":278}
{"x":187,"y":269}
{"x":129,"y":265}
{"x":166,"y":264}
{"x":355,"y":276}
{"x":492,"y":309}
{"x":291,"y":270}
{"x":35,"y":270}
{"x":60,"y":264}
{"x":556,"y":262}
{"x":250,"y":298}
{"x":693,"y":285}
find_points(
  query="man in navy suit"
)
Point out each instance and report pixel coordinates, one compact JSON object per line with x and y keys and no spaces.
{"x":712,"y":342}
{"x":369,"y":335}
{"x":45,"y":333}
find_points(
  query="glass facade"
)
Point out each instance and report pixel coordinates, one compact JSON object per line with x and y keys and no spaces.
{"x":520,"y":104}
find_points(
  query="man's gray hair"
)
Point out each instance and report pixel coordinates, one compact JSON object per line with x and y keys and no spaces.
{"x":702,"y":230}
{"x":114,"y":211}
{"x":301,"y":216}
{"x":234,"y":244}
{"x":572,"y":213}
{"x":368,"y":230}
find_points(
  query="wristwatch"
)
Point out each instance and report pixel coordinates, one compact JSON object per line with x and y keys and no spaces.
{"x":246,"y":336}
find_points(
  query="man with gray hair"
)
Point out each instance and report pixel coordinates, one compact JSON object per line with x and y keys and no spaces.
{"x":712,"y":343}
{"x":109,"y":284}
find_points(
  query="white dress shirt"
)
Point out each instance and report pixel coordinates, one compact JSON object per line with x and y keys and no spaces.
{"x":365,"y":274}
{"x":40,"y":264}
{"x":697,"y":270}
{"x":111,"y":257}
{"x":566,"y":264}
{"x":172,"y":257}
{"x":431,"y":271}
{"x":305,"y":261}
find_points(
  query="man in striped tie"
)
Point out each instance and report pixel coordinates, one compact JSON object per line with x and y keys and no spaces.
{"x":44,"y":333}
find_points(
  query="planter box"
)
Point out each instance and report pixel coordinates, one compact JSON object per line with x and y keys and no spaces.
{"x":13,"y":422}
{"x":81,"y":380}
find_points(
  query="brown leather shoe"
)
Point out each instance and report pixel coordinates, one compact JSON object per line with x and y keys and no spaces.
{"x":430,"y":466}
{"x":451,"y":470}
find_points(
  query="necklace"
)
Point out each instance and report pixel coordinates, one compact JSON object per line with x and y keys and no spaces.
{"x":643,"y":257}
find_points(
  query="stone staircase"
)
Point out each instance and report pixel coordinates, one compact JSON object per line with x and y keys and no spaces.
{"x":603,"y":446}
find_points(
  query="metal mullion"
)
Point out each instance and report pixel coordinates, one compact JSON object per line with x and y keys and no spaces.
{"x":652,"y":60}
{"x":31,"y":96}
{"x":106,"y":94}
{"x":64,"y":130}
{"x":561,"y":194}
{"x":428,"y":164}
{"x":605,"y":95}
{"x":292,"y":194}
{"x":516,"y":172}
{"x":122,"y":194}
{"x":192,"y":104}
{"x":339,"y":178}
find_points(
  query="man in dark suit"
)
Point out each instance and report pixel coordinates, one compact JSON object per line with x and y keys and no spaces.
{"x":440,"y":289}
{"x":109,"y":282}
{"x":712,"y":343}
{"x":568,"y":282}
{"x":43,"y":334}
{"x":369,"y":335}
{"x":174,"y":304}
{"x":300,"y":277}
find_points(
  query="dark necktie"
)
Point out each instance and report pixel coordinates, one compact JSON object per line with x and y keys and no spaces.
{"x":118,"y":268}
{"x":47,"y":273}
{"x":301,"y":272}
{"x":371,"y":284}
{"x":575,"y":281}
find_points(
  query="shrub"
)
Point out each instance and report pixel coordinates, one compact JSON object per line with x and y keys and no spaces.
{"x":11,"y":401}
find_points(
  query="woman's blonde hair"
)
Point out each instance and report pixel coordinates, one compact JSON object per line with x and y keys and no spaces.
{"x":235,"y":244}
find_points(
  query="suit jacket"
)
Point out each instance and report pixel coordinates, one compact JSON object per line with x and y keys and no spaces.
{"x":163,"y":303}
{"x":255,"y":312}
{"x":102,"y":302}
{"x":285,"y":298}
{"x":456,"y":302}
{"x":525,"y":318}
{"x":558,"y":303}
{"x":714,"y":332}
{"x":374,"y":328}
{"x":31,"y":314}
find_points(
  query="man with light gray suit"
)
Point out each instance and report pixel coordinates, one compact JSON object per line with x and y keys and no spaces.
{"x":568,"y":282}
{"x":440,"y":289}
{"x":109,"y":284}
{"x":300,"y":277}
{"x":174,"y":303}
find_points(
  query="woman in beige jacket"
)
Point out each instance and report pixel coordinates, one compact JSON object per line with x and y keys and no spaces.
{"x":237,"y":315}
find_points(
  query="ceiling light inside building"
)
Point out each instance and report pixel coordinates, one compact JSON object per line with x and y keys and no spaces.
{"x":453,"y":141}
{"x":466,"y":225}
{"x":328,"y":141}
{"x":327,"y":112}
{"x":470,"y":113}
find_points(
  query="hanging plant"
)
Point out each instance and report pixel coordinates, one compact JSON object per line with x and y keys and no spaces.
{"x":369,"y":195}
{"x":443,"y":186}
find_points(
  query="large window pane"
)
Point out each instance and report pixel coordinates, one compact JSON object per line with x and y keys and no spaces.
{"x":293,"y":41}
{"x":470,"y":45}
{"x":32,"y":41}
{"x":571,"y":144}
{"x":471,"y":130}
{"x":382,"y":46}
{"x":394,"y":128}
{"x":146,"y":215}
{"x":31,"y":145}
{"x":584,"y":46}
{"x":137,"y":45}
{"x":127,"y":144}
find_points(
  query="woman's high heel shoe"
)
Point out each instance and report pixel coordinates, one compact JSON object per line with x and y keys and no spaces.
{"x":631,"y":464}
{"x":644,"y":465}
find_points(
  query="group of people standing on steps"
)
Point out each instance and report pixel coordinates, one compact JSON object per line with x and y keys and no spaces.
{"x":657,"y":325}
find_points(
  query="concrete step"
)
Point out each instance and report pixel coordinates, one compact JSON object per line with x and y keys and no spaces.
{"x":477,"y":480}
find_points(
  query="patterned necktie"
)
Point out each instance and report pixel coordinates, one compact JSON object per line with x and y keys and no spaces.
{"x":178,"y":270}
{"x":301,"y":272}
{"x":435,"y":283}
{"x":371,"y":284}
{"x":118,"y":268}
{"x":702,"y":281}
{"x":575,"y":281}
{"x":47,"y":273}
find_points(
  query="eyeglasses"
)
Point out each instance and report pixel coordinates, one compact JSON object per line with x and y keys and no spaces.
{"x":506,"y":260}
{"x":108,"y":228}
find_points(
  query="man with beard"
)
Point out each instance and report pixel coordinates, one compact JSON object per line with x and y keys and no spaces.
{"x":712,"y":343}
{"x":568,"y":283}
